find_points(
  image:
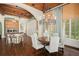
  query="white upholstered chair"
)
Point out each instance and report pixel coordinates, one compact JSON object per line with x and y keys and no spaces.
{"x":14,"y":38}
{"x":8,"y":39}
{"x":54,"y":43}
{"x":35,"y":42}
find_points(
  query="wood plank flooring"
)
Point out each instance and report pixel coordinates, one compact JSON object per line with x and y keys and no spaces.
{"x":26,"y":49}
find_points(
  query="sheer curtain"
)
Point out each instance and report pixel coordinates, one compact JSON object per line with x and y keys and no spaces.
{"x":58,"y":12}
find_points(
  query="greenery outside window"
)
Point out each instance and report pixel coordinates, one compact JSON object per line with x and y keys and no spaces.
{"x":74,"y":29}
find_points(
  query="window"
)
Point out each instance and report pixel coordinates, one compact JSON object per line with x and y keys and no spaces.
{"x":74,"y":29}
{"x":67,"y":28}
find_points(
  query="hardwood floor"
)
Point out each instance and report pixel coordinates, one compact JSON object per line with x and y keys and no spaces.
{"x":69,"y":51}
{"x":28,"y":50}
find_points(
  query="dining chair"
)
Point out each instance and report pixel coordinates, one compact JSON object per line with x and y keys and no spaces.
{"x":14,"y":39}
{"x":53,"y":44}
{"x":20,"y":39}
{"x":8,"y":39}
{"x":35,"y":42}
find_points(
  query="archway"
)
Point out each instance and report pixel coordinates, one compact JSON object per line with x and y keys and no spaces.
{"x":35,"y":12}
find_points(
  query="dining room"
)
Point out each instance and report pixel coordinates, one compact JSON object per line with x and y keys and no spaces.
{"x":35,"y":29}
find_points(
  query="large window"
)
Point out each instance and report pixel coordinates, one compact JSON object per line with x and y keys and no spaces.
{"x":73,"y":30}
{"x":71,"y":18}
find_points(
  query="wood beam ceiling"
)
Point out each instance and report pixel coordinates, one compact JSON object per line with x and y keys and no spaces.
{"x":14,"y":10}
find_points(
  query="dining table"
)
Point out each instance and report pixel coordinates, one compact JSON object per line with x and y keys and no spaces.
{"x":44,"y":41}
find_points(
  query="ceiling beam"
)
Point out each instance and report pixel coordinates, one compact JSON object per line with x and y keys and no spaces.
{"x":57,"y":7}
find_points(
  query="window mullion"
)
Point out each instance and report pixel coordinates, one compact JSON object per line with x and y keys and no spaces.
{"x":70,"y":28}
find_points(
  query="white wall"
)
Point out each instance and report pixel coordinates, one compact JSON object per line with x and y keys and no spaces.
{"x":31,"y":27}
{"x":22,"y":25}
{"x":71,"y":42}
{"x":2,"y":22}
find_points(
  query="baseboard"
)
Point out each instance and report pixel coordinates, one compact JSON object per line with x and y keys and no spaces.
{"x":71,"y":42}
{"x":71,"y":47}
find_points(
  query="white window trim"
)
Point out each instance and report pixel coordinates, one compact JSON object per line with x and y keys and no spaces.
{"x":70,"y":25}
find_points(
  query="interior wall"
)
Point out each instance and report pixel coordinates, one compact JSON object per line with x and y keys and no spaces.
{"x":71,"y":11}
{"x":22,"y":24}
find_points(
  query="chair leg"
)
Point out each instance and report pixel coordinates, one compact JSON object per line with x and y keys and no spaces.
{"x":45,"y":52}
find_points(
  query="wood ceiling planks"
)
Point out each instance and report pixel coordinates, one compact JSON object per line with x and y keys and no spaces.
{"x":43,"y":6}
{"x":12,"y":10}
